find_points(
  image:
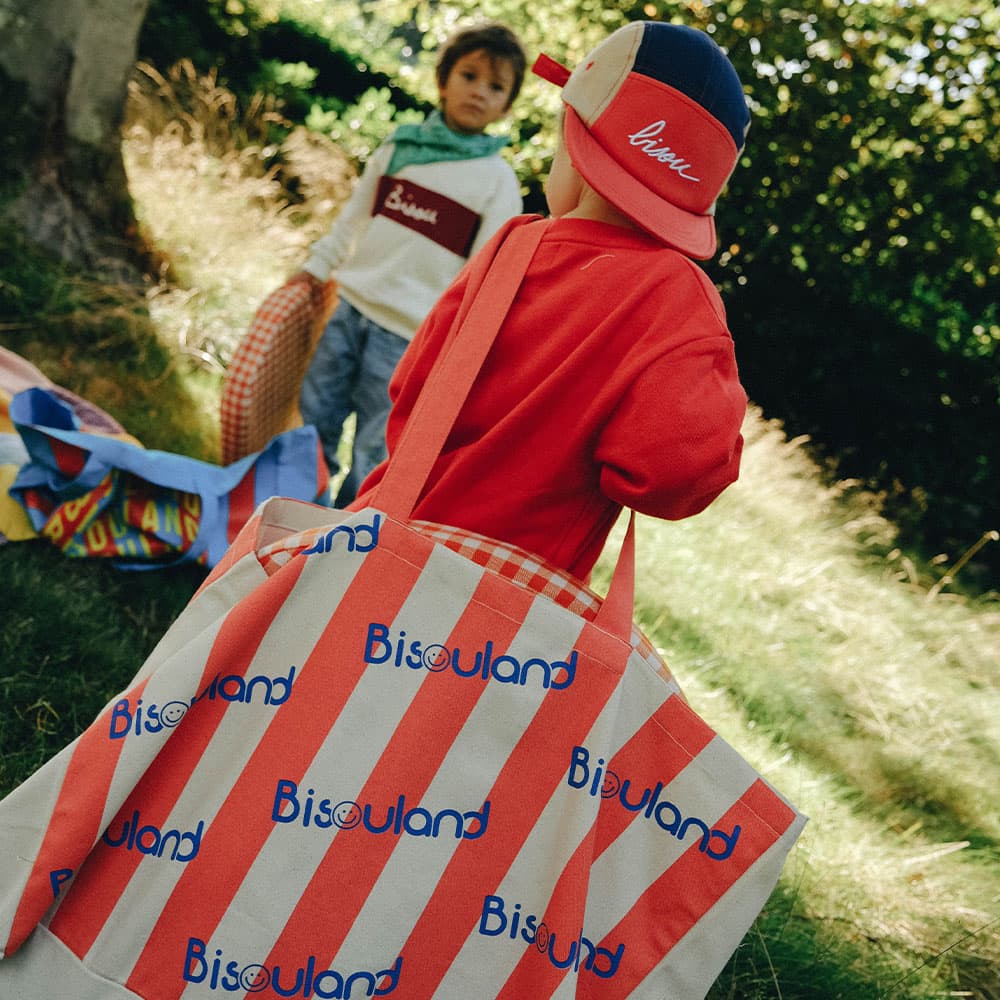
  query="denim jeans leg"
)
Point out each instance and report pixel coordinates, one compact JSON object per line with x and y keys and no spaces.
{"x":326,"y":397}
{"x":382,"y":352}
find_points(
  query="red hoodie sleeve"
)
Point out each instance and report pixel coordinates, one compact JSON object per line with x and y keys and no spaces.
{"x":673,"y":443}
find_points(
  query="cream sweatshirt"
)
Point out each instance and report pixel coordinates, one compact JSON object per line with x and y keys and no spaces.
{"x":386,"y":265}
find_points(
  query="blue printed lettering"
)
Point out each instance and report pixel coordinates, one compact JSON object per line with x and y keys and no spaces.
{"x":121,"y":719}
{"x":149,"y":839}
{"x":496,"y":920}
{"x":354,"y":536}
{"x":56,"y":879}
{"x":139,"y":719}
{"x":381,"y":646}
{"x":232,"y":976}
{"x":291,"y":806}
{"x":667,"y":815}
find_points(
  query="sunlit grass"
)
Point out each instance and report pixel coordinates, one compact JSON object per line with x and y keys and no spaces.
{"x":210,"y":192}
{"x":869,"y":700}
{"x":218,"y":211}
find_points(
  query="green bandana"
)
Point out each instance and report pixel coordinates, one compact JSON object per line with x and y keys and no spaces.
{"x":432,"y":141}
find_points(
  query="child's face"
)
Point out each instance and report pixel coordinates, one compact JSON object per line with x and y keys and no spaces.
{"x":564,"y":185}
{"x":477,"y":91}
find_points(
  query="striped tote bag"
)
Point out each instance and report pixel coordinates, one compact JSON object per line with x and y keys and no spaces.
{"x":376,"y":757}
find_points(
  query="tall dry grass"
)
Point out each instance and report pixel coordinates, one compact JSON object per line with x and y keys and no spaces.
{"x":865,"y":691}
{"x":212,"y":184}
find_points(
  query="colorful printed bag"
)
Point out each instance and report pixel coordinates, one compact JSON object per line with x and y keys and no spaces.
{"x":376,"y":758}
{"x":260,"y":391}
{"x":96,"y":496}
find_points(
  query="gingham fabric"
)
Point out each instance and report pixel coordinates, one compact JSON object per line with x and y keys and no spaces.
{"x":518,"y":565}
{"x":260,"y":389}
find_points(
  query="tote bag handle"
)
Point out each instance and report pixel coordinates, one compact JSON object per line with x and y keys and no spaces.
{"x":491,"y":290}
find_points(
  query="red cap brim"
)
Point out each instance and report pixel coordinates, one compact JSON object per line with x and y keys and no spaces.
{"x":689,"y":233}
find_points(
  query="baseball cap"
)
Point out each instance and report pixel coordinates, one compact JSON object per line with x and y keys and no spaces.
{"x":655,"y":119}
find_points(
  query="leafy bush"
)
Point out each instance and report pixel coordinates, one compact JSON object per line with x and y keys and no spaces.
{"x":858,"y":236}
{"x":363,"y":126}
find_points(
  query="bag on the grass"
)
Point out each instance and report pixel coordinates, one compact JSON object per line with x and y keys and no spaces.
{"x":96,"y":496}
{"x":260,"y":390}
{"x":378,"y":757}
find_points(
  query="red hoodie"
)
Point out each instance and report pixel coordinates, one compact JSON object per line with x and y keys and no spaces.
{"x":611,"y":383}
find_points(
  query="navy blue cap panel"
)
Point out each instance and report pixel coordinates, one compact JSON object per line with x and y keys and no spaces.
{"x":689,"y":61}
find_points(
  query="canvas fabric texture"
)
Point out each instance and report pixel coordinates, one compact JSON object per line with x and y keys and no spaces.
{"x":260,"y":390}
{"x":375,"y":757}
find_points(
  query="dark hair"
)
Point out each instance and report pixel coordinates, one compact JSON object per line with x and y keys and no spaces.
{"x":496,"y":39}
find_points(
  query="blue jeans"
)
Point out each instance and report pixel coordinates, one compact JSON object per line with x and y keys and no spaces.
{"x":350,"y":373}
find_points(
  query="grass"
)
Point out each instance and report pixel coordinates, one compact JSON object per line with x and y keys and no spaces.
{"x":98,"y":340}
{"x":74,"y":632}
{"x":871,"y":700}
{"x":222,"y":215}
{"x":842,"y":668}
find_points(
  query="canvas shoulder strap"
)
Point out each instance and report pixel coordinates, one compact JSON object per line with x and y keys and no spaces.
{"x":491,"y":290}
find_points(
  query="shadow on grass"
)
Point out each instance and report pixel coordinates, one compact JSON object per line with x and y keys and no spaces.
{"x":74,"y":633}
{"x":791,"y":956}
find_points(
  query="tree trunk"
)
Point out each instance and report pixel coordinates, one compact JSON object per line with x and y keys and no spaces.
{"x":66,"y":64}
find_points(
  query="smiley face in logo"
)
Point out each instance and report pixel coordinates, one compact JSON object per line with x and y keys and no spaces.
{"x":542,"y":937}
{"x":172,"y":713}
{"x":346,"y":815}
{"x":255,"y":978}
{"x":610,"y":785}
{"x":436,"y":658}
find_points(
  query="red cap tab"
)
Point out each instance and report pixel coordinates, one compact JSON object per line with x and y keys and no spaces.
{"x":548,"y":69}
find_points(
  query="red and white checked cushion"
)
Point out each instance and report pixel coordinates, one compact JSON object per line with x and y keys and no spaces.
{"x":260,"y":391}
{"x":515,"y":564}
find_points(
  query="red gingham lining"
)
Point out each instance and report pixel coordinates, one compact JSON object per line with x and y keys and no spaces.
{"x":515,"y":564}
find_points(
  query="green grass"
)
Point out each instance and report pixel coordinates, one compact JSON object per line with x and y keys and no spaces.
{"x":98,"y":340}
{"x":870,"y":701}
{"x":74,"y":632}
{"x":835,"y":663}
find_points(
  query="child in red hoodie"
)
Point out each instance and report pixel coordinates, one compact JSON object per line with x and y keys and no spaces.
{"x":612,"y":382}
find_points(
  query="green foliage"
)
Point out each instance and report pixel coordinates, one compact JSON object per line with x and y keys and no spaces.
{"x":859,"y":246}
{"x":871,"y":159}
{"x":361,"y":127}
{"x":96,"y":339}
{"x":274,"y":76}
{"x":256,"y":49}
